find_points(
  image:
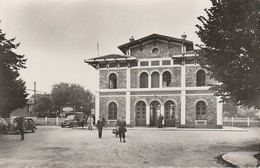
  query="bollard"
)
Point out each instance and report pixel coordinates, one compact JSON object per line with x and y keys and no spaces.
{"x":46,"y":120}
{"x":57,"y":120}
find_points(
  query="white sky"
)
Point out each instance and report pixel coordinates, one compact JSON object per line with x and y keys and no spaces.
{"x":57,"y":35}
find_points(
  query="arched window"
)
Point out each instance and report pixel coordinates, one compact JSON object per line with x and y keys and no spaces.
{"x":112,"y":81}
{"x":144,"y":80}
{"x":201,"y":78}
{"x":112,"y":111}
{"x":166,"y":79}
{"x":200,"y":110}
{"x":155,"y":80}
{"x":140,"y":109}
{"x":169,"y":110}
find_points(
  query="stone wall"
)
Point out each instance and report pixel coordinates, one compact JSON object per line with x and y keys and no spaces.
{"x":191,"y":77}
{"x":165,"y":50}
{"x":121,"y":105}
{"x":175,"y":75}
{"x":211,"y":108}
{"x":104,"y":78}
{"x":161,"y":99}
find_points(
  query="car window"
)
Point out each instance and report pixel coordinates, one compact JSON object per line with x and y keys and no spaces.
{"x":70,"y":117}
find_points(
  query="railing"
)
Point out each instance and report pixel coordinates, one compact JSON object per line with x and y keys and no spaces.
{"x":241,"y":122}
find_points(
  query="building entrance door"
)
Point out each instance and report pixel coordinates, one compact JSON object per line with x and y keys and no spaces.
{"x":169,"y":114}
{"x":140,"y":109}
{"x":155,"y":110}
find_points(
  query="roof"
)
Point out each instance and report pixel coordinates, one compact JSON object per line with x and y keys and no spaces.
{"x":125,"y":46}
{"x":110,"y":57}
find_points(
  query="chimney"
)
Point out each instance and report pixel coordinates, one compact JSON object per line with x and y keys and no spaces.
{"x":132,"y":39}
{"x":183,"y":36}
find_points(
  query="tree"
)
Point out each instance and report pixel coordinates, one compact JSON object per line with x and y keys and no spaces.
{"x":72,"y":95}
{"x":12,"y":88}
{"x":43,"y":105}
{"x":231,"y":37}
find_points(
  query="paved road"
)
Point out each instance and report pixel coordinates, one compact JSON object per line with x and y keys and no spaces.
{"x":66,"y":147}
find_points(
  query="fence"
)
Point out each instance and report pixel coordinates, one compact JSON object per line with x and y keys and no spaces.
{"x":42,"y":121}
{"x":49,"y":121}
{"x":241,"y":122}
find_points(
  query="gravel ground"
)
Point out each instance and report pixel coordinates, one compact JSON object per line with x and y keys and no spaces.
{"x":66,"y":147}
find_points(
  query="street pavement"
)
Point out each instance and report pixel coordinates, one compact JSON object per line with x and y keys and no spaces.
{"x":53,"y":146}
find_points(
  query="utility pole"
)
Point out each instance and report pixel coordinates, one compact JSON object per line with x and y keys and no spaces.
{"x":34,"y":98}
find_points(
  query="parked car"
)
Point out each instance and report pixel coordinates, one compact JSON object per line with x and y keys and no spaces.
{"x":3,"y":125}
{"x":72,"y":120}
{"x":29,"y":124}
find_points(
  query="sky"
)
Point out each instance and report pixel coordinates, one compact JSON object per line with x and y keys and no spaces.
{"x":57,"y":35}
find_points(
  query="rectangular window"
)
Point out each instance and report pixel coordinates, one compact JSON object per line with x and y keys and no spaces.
{"x":112,"y":65}
{"x":189,"y":61}
{"x":102,"y":66}
{"x":155,"y":63}
{"x":166,"y":62}
{"x":144,"y":63}
{"x":177,"y":61}
{"x":123,"y":64}
{"x":133,"y":64}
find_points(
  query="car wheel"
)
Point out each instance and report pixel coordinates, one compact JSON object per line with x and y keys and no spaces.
{"x":62,"y":126}
{"x":33,"y":130}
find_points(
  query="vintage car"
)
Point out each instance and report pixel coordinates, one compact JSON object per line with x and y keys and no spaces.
{"x":73,"y":120}
{"x":29,"y":124}
{"x":3,"y":125}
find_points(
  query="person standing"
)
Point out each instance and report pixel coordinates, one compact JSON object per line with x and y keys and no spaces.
{"x":100,"y":125}
{"x":90,"y":121}
{"x":122,"y":129}
{"x":82,"y":121}
{"x":21,"y":127}
{"x":160,"y":121}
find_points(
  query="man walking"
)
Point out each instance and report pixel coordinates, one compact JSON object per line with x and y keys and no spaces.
{"x":100,"y":125}
{"x":122,"y":129}
{"x":21,"y":127}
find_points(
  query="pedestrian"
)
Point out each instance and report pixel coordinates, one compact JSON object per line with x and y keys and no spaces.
{"x":90,"y":121}
{"x":117,"y":125}
{"x":122,"y":129}
{"x":103,"y":120}
{"x":160,"y":121}
{"x":82,"y":121}
{"x":100,"y":125}
{"x":21,"y":127}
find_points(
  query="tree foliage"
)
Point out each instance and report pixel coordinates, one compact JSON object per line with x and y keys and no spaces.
{"x":71,"y":95}
{"x":12,"y":88}
{"x":231,"y":36}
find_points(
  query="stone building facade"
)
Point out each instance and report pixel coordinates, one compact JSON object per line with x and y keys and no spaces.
{"x":156,"y":75}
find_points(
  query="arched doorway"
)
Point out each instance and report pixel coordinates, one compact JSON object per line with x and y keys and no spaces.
{"x":169,"y":114}
{"x":155,"y":110}
{"x":140,"y":111}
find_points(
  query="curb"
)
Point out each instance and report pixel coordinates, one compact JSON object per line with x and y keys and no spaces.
{"x":241,"y":158}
